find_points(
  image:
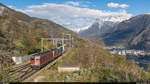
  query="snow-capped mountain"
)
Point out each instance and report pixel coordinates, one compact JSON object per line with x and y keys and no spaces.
{"x":116,"y":18}
{"x":102,"y":25}
{"x":80,"y":29}
{"x":99,"y":22}
{"x":133,"y":33}
{"x":98,"y":27}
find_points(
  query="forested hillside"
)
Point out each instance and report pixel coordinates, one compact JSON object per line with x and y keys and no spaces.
{"x":20,"y":35}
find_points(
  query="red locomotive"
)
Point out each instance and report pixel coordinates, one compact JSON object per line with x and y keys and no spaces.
{"x":40,"y":60}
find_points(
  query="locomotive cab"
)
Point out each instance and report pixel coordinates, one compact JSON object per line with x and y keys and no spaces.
{"x":35,"y":62}
{"x":40,"y":60}
{"x":32,"y":61}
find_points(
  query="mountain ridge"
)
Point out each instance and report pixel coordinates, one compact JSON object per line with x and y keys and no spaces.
{"x":132,"y":33}
{"x":98,"y":27}
{"x":20,"y":33}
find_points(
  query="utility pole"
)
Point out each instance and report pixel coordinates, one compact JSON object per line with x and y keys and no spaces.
{"x":63,"y":39}
{"x":69,"y":39}
{"x":42,"y":47}
{"x":56,"y":43}
{"x":63,"y":42}
{"x":72,"y":42}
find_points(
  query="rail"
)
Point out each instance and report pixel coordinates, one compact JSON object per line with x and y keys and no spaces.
{"x":25,"y":71}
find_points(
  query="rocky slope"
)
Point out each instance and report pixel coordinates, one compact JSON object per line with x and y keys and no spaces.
{"x":20,"y":33}
{"x":99,"y":27}
{"x":132,"y":33}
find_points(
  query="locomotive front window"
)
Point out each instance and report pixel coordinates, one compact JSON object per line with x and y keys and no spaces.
{"x":32,"y":59}
{"x":37,"y":59}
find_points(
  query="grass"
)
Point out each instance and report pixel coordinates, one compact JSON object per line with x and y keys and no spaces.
{"x":89,"y":75}
{"x":51,"y":74}
{"x":109,"y":68}
{"x":68,"y":59}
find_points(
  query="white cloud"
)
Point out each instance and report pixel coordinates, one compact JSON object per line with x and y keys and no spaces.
{"x":79,"y":4}
{"x":113,"y":5}
{"x":70,"y":16}
{"x":116,"y":5}
{"x":73,"y":3}
{"x":124,"y":6}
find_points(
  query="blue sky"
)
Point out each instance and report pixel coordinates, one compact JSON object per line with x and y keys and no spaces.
{"x":136,"y":6}
{"x":79,"y":14}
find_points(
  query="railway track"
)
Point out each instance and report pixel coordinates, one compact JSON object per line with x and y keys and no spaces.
{"x":46,"y":67}
{"x":26,"y":74}
{"x":18,"y":68}
{"x":20,"y":73}
{"x":23,"y":72}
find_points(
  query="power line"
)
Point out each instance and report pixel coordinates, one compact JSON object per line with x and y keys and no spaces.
{"x":62,"y":40}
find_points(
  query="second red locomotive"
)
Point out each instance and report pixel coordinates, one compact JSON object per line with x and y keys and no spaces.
{"x":40,"y":60}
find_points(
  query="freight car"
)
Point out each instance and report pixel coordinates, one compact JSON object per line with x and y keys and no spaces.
{"x":40,"y":60}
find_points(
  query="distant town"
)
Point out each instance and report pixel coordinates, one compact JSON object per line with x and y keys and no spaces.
{"x":141,"y":57}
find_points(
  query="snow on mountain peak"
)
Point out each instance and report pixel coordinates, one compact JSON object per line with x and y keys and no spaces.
{"x":80,"y":29}
{"x":102,"y":21}
{"x":116,"y":18}
{"x":99,"y":22}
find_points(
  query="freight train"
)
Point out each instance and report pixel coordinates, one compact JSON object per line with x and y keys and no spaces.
{"x":40,"y":60}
